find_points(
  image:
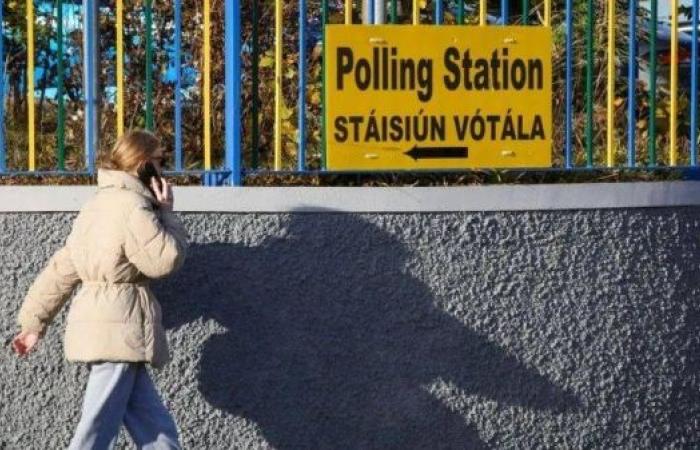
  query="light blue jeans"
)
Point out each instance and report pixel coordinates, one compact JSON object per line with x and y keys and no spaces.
{"x":122,"y":392}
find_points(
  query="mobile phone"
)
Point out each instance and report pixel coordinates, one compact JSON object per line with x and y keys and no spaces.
{"x":147,"y":173}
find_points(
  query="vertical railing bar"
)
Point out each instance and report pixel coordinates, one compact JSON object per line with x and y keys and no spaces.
{"x":149,"y":64}
{"x":178,"y":86}
{"x":348,"y":11}
{"x":324,"y":21}
{"x":120,"y":66}
{"x":569,"y":84}
{"x":482,"y":12}
{"x":91,"y":81}
{"x":460,"y":12}
{"x":255,"y":133}
{"x":232,"y":49}
{"x":590,"y":19}
{"x":416,"y":13}
{"x":206,"y":88}
{"x":505,"y":14}
{"x":611,"y":85}
{"x":379,"y":12}
{"x":3,"y":166}
{"x":370,"y":13}
{"x":547,"y":12}
{"x":278,"y":85}
{"x":525,"y":11}
{"x":654,"y":7}
{"x":438,"y":12}
{"x":394,"y":12}
{"x":632,"y":85}
{"x":60,"y":134}
{"x":694,"y":88}
{"x":30,"y":86}
{"x":673,"y":122}
{"x":301,"y":154}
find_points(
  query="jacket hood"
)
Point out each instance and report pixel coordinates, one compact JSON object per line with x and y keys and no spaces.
{"x":118,"y":179}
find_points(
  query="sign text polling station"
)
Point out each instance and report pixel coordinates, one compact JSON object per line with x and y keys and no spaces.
{"x":403,"y":97}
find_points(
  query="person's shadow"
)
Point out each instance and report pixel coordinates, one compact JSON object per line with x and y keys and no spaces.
{"x":331,"y":343}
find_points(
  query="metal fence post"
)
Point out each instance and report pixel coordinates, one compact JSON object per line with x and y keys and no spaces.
{"x":694,"y":88}
{"x":60,"y":135}
{"x":301,"y":149}
{"x":178,"y":85}
{"x":569,"y":85}
{"x":654,"y":7}
{"x":91,"y":81}
{"x":2,"y":94}
{"x":632,"y":85}
{"x":31,"y":125}
{"x":233,"y":90}
{"x":379,"y":12}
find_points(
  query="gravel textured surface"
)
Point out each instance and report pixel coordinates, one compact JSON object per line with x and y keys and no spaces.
{"x":569,"y":329}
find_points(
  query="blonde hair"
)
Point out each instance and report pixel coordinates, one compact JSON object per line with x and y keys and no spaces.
{"x":131,"y":151}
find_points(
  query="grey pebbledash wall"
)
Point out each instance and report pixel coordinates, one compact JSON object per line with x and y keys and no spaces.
{"x":574,"y":327}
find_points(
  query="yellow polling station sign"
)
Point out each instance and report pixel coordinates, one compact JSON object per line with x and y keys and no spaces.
{"x":428,"y":97}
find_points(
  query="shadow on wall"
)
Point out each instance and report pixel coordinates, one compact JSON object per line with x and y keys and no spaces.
{"x":332,"y":344}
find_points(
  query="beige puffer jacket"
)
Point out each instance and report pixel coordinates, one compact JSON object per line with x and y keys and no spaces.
{"x":118,"y":242}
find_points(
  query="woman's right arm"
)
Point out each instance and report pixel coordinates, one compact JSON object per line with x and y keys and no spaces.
{"x":48,"y":293}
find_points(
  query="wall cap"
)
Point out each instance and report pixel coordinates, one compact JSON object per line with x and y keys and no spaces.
{"x":380,"y":199}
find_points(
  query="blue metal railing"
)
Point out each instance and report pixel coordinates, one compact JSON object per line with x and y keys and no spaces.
{"x":232,"y":168}
{"x":178,"y":85}
{"x":3,"y":158}
{"x":694,"y":85}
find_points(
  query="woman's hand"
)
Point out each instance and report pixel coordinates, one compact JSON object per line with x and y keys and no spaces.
{"x":24,"y":342}
{"x":164,"y":194}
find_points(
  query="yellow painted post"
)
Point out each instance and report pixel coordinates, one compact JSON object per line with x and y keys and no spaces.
{"x":416,"y":12}
{"x":482,"y":12}
{"x":547,"y":12}
{"x":278,"y":84}
{"x":348,"y":12}
{"x":611,"y":84}
{"x":30,"y":85}
{"x":206,"y":94}
{"x":673,"y":160}
{"x":120,"y":67}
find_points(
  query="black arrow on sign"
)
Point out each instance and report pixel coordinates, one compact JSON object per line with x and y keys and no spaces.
{"x":437,"y":152}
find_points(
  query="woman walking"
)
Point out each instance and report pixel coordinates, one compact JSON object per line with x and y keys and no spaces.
{"x":124,"y":236}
